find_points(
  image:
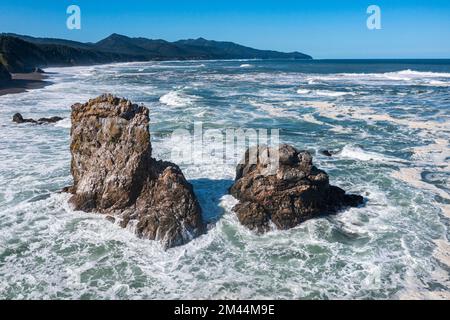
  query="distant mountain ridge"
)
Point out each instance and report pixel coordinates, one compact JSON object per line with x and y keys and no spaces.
{"x":20,"y":53}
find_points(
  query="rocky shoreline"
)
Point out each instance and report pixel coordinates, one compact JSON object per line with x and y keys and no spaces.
{"x":114,"y":174}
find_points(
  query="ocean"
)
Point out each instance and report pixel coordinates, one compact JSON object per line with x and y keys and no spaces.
{"x":387,"y":121}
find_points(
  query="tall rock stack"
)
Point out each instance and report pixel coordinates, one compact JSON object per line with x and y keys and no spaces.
{"x":297,"y":191}
{"x":114,"y":173}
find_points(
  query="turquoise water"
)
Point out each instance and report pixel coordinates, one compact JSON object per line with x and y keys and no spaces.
{"x":388,"y":121}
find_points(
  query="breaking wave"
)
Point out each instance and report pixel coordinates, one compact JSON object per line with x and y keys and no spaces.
{"x":177,"y":99}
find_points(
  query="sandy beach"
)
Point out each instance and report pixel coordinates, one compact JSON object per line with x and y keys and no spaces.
{"x":22,"y":82}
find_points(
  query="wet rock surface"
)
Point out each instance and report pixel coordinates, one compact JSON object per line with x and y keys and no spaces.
{"x":296,"y":191}
{"x":114,"y":173}
{"x":18,"y":118}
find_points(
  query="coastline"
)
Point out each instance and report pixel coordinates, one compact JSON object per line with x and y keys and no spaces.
{"x":22,"y":82}
{"x":348,"y":122}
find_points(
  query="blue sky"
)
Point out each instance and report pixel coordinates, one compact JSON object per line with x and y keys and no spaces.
{"x":322,"y":28}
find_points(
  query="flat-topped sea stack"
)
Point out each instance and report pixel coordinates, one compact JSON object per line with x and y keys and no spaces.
{"x":293,"y":192}
{"x":18,"y":118}
{"x":114,"y":173}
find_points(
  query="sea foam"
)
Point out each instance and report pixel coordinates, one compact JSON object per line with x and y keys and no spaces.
{"x":393,"y":247}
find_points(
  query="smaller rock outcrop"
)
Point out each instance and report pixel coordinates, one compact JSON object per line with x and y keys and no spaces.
{"x":18,"y":118}
{"x":295,"y":192}
{"x":114,"y":173}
